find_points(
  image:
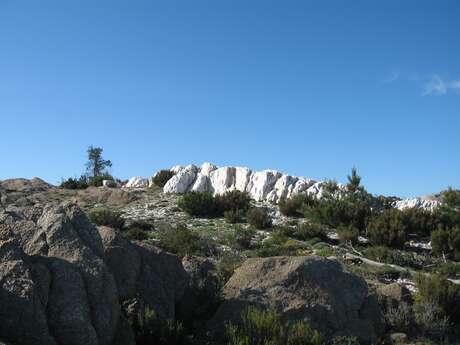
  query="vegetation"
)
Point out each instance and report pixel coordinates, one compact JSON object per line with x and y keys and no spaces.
{"x":96,"y":165}
{"x":182,"y":241}
{"x":149,"y":329}
{"x":261,"y":327}
{"x":259,"y":218}
{"x":161,"y":177}
{"x":388,"y":229}
{"x":74,"y":183}
{"x":106,"y":217}
{"x":233,"y":216}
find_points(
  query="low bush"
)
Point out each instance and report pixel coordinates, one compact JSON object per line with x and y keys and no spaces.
{"x":74,"y":183}
{"x":233,"y":216}
{"x":343,"y":340}
{"x":259,"y":218}
{"x":435,"y":289}
{"x":400,"y":317}
{"x":446,"y":241}
{"x":199,"y":204}
{"x":292,"y":207}
{"x":148,"y":329}
{"x":388,"y":229}
{"x":348,"y":234}
{"x":106,"y":217}
{"x":261,"y":327}
{"x":145,"y":225}
{"x":226,"y":266}
{"x":182,"y":241}
{"x":136,"y":234}
{"x":430,"y":321}
{"x":161,"y":177}
{"x":419,"y":221}
{"x":308,"y":230}
{"x":96,"y":181}
{"x":233,"y":200}
{"x":242,"y":237}
{"x":449,"y":270}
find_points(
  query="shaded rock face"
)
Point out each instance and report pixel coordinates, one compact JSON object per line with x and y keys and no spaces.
{"x":62,"y":280}
{"x":154,"y":278}
{"x":303,"y":288}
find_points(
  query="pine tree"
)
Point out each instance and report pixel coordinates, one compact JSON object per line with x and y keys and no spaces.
{"x":96,"y":165}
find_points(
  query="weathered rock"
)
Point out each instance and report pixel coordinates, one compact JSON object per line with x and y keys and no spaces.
{"x":137,"y":182}
{"x":202,"y":292}
{"x":201,"y":184}
{"x":206,"y":168}
{"x":222,"y":180}
{"x":182,"y":180}
{"x":282,"y":188}
{"x":422,"y":203}
{"x":77,"y":294}
{"x":396,"y":292}
{"x":261,"y":183}
{"x":153,"y":277}
{"x":303,"y":288}
{"x":109,"y":183}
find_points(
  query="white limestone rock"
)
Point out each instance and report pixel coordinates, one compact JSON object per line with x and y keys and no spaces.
{"x":222,"y":180}
{"x":109,"y":183}
{"x":242,"y":177}
{"x":137,"y":182}
{"x":202,"y":183}
{"x":182,"y":181}
{"x":261,"y":183}
{"x":282,"y":188}
{"x":206,"y":168}
{"x":425,"y":204}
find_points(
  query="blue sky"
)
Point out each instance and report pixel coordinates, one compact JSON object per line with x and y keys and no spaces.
{"x":310,"y":88}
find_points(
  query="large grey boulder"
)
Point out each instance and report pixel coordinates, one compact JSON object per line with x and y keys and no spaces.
{"x":55,"y":274}
{"x":153,"y":277}
{"x":302,"y":288}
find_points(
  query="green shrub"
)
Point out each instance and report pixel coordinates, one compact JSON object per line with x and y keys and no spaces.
{"x":96,"y":181}
{"x":388,"y":229}
{"x":242,"y":237}
{"x":449,"y":270}
{"x":308,"y":230}
{"x":182,"y":241}
{"x":343,"y":340}
{"x":451,"y":197}
{"x":419,"y":221}
{"x":145,"y":225}
{"x":233,"y":200}
{"x":430,"y":321}
{"x":446,"y":241}
{"x":437,"y":290}
{"x":260,"y":327}
{"x":161,"y":177}
{"x":400,"y":318}
{"x":259,"y":218}
{"x":233,"y":216}
{"x":148,"y":329}
{"x":74,"y":183}
{"x":348,"y":234}
{"x":136,"y":234}
{"x":199,"y":204}
{"x":378,"y":253}
{"x":106,"y":217}
{"x":226,"y":266}
{"x":292,"y":207}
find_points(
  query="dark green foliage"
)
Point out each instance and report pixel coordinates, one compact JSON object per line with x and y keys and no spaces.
{"x":233,"y":200}
{"x":260,"y":327}
{"x":354,"y":181}
{"x":144,"y":225}
{"x":182,"y":241}
{"x":74,"y":183}
{"x":226,"y":266}
{"x":204,"y":204}
{"x":348,"y":234}
{"x":343,"y":340}
{"x":307,"y":230}
{"x":149,"y":330}
{"x":233,"y":216}
{"x":439,"y":291}
{"x":136,"y":234}
{"x":419,"y":221}
{"x":388,"y":229}
{"x":103,"y":216}
{"x":449,"y":270}
{"x":259,"y":218}
{"x":96,"y":165}
{"x":162,"y":177}
{"x":451,"y":197}
{"x":199,"y":204}
{"x":243,"y":237}
{"x":96,"y":181}
{"x":292,"y":207}
{"x":446,"y":241}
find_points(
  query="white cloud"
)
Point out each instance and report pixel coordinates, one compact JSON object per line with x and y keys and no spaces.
{"x":438,"y":86}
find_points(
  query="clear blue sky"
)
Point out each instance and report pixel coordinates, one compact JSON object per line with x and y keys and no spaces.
{"x":311,"y":88}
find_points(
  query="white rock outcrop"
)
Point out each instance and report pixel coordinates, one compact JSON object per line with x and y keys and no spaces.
{"x":137,"y":182}
{"x":426,"y":204}
{"x":183,"y":179}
